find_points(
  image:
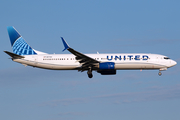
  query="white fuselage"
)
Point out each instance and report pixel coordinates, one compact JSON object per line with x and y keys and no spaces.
{"x":122,"y":61}
{"x":105,"y":64}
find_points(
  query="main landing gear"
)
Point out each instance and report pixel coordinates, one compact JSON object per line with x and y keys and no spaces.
{"x":89,"y":72}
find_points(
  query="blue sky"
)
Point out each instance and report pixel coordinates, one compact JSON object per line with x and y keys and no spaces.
{"x":115,"y":26}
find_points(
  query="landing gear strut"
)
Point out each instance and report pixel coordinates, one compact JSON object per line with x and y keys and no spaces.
{"x":89,"y":72}
{"x":161,"y":69}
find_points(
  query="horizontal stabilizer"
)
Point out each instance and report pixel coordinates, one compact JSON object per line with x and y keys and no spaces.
{"x":14,"y":55}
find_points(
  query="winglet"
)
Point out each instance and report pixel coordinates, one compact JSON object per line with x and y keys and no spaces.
{"x":66,"y":46}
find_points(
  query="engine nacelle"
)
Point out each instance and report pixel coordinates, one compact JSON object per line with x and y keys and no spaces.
{"x":107,"y":72}
{"x":107,"y":66}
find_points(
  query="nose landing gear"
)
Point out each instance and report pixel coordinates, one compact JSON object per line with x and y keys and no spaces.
{"x":161,"y":69}
{"x":159,"y":73}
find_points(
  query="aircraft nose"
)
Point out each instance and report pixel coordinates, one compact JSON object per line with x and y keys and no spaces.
{"x":173,"y":63}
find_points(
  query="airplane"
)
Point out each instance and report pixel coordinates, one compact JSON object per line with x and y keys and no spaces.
{"x":105,"y":64}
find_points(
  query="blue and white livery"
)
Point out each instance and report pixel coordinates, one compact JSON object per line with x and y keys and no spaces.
{"x":105,"y":64}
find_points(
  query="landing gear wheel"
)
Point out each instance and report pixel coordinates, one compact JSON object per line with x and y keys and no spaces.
{"x":159,"y":73}
{"x":90,"y":75}
{"x":89,"y":72}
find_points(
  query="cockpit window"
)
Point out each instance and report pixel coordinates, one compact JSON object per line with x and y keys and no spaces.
{"x":166,"y":58}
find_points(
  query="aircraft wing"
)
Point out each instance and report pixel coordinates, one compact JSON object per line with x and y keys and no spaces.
{"x":85,"y":60}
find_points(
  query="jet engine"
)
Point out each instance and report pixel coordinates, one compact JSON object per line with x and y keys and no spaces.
{"x":107,"y":68}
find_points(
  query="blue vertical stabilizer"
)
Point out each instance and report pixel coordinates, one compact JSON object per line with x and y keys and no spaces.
{"x":13,"y":34}
{"x":19,"y":46}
